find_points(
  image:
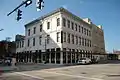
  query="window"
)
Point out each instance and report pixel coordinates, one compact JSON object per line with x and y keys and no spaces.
{"x":76,"y":27}
{"x":41,"y":28}
{"x":79,"y":40}
{"x":48,"y":25}
{"x":85,"y":42}
{"x":89,"y":33}
{"x":72,"y":24}
{"x":82,"y":41}
{"x":79,"y":28}
{"x":90,"y":43}
{"x":85,"y":31}
{"x":40,"y":40}
{"x":17,"y":44}
{"x":58,"y":36}
{"x":28,"y":32}
{"x":64,"y":37}
{"x":28,"y":44}
{"x":82,"y":29}
{"x":61,"y":36}
{"x":68,"y":39}
{"x":76,"y":40}
{"x":58,"y":21}
{"x":22,"y":43}
{"x":72,"y":39}
{"x":64,"y":22}
{"x":68,"y":23}
{"x":34,"y":30}
{"x":33,"y":41}
{"x":48,"y":39}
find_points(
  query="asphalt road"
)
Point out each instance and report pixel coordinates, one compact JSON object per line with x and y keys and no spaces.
{"x":80,"y":72}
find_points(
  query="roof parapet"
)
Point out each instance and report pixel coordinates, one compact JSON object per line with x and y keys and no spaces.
{"x":99,"y":26}
{"x":88,"y":20}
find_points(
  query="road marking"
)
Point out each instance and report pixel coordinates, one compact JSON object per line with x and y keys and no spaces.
{"x":76,"y":76}
{"x":20,"y":73}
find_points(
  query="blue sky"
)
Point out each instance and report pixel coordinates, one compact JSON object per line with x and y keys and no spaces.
{"x":104,"y":12}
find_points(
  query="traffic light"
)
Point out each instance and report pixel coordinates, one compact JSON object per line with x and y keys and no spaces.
{"x":28,"y":2}
{"x":39,"y":4}
{"x":19,"y":14}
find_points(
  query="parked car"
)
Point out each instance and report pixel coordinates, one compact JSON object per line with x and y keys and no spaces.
{"x":84,"y":61}
{"x":1,"y":61}
{"x":7,"y":61}
{"x":94,"y":60}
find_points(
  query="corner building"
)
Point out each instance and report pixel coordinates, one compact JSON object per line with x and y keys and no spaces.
{"x":59,"y":37}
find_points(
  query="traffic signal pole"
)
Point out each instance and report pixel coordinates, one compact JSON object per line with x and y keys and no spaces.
{"x":23,"y":2}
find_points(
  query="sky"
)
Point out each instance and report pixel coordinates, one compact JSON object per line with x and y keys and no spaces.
{"x":101,"y":12}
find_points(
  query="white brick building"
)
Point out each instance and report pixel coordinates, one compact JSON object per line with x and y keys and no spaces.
{"x":56,"y":32}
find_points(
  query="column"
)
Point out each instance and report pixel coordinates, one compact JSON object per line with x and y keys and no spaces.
{"x":71,"y":57}
{"x":75,"y":57}
{"x":50,"y":57}
{"x":66,"y":57}
{"x":61,"y":58}
{"x":55,"y":57}
{"x":41,"y":57}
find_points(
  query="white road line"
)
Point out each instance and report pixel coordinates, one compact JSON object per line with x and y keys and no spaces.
{"x":69,"y":75}
{"x":20,"y":73}
{"x":76,"y":76}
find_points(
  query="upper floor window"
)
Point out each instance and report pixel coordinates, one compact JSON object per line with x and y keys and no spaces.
{"x":82,"y":29}
{"x":64,"y":37}
{"x":22,"y":43}
{"x":58,"y":21}
{"x":40,"y":40}
{"x":72,"y":25}
{"x":48,"y":39}
{"x":58,"y":36}
{"x":28,"y":32}
{"x":41,"y":28}
{"x":79,"y":28}
{"x":17,"y":44}
{"x":76,"y":27}
{"x":48,"y":25}
{"x":72,"y":39}
{"x":85,"y":43}
{"x":89,"y":33}
{"x":79,"y":40}
{"x":68,"y":39}
{"x":34,"y":30}
{"x":76,"y":40}
{"x":33,"y":41}
{"x":82,"y":41}
{"x":64,"y":22}
{"x":85,"y":31}
{"x":28,"y":43}
{"x":68,"y":23}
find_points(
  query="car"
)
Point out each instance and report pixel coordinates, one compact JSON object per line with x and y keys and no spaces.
{"x":7,"y":61}
{"x":84,"y":61}
{"x":1,"y":61}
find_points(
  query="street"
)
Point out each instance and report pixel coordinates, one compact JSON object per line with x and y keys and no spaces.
{"x":108,"y":71}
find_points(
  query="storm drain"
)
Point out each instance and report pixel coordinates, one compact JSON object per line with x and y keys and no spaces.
{"x":83,"y":73}
{"x":114,"y":75}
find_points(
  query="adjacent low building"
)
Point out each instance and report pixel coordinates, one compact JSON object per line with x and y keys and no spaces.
{"x":60,"y":37}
